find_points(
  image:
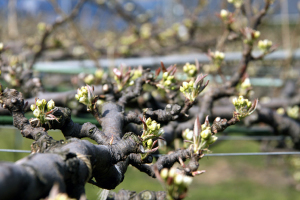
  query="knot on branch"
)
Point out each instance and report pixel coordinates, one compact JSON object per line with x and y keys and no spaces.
{"x":45,"y":143}
{"x":12,"y":100}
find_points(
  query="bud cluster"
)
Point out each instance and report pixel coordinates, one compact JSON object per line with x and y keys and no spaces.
{"x":203,"y":137}
{"x":187,"y":134}
{"x":151,"y":131}
{"x":176,"y":181}
{"x":134,"y":75}
{"x":193,"y":88}
{"x":265,"y":45}
{"x":85,"y":96}
{"x":217,"y":58}
{"x":89,"y":79}
{"x":126,"y":79}
{"x":39,"y":110}
{"x":236,"y":3}
{"x":244,"y":107}
{"x":190,"y":69}
{"x":244,"y":88}
{"x":145,"y":30}
{"x":168,"y":81}
{"x":250,"y":35}
{"x":293,"y":112}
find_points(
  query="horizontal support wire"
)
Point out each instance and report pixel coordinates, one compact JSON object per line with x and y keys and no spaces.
{"x":15,"y":151}
{"x":209,"y":154}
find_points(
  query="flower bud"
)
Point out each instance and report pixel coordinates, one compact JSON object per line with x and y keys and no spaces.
{"x":191,"y":83}
{"x":167,"y":83}
{"x":99,"y":73}
{"x":172,"y":172}
{"x":205,"y":134}
{"x":234,"y":101}
{"x":246,"y":83}
{"x":148,"y":121}
{"x":185,"y":85}
{"x":241,"y":100}
{"x":39,"y":102}
{"x":249,"y":104}
{"x":37,"y":113}
{"x":170,"y":78}
{"x":77,"y":96}
{"x":181,"y":89}
{"x":192,"y":72}
{"x":212,"y":139}
{"x":84,"y":91}
{"x":185,"y":67}
{"x":187,"y":180}
{"x":165,"y":75}
{"x":178,"y":179}
{"x":1,"y":46}
{"x":256,"y":34}
{"x":32,"y":107}
{"x":149,"y":143}
{"x":44,"y":102}
{"x":50,"y":104}
{"x":189,"y":135}
{"x":164,"y":173}
{"x":224,"y":14}
{"x":89,"y":79}
{"x":260,"y":44}
{"x":82,"y":99}
{"x":153,"y":126}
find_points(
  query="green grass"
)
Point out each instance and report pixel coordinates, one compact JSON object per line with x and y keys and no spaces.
{"x":226,"y":178}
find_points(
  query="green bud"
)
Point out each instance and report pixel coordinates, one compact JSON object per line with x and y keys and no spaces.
{"x":256,"y":34}
{"x":32,"y":107}
{"x":205,"y":134}
{"x":149,"y":143}
{"x":171,"y":78}
{"x":84,"y":91}
{"x":167,"y":83}
{"x":44,"y":102}
{"x":192,"y":72}
{"x":153,"y":126}
{"x":172,"y":172}
{"x":164,"y":173}
{"x":148,"y":121}
{"x":178,"y":179}
{"x":77,"y":96}
{"x":185,"y":85}
{"x":165,"y":75}
{"x":39,"y":102}
{"x":189,"y":135}
{"x":191,"y":83}
{"x":79,"y":92}
{"x":50,"y":104}
{"x":37,"y":113}
{"x":181,"y":89}
{"x":224,"y":14}
{"x":99,"y":73}
{"x":89,"y":79}
{"x":212,"y":139}
{"x":234,"y":101}
{"x":185,"y":67}
{"x":187,"y":180}
{"x":82,"y":99}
